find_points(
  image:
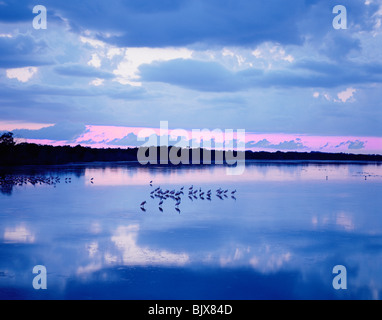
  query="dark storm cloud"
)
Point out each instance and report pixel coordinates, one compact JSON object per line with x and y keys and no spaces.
{"x":61,"y":131}
{"x":13,"y":11}
{"x":179,"y":23}
{"x":214,"y":77}
{"x":115,"y":91}
{"x":156,"y":23}
{"x":22,"y":51}
{"x":192,"y":74}
{"x":82,"y":71}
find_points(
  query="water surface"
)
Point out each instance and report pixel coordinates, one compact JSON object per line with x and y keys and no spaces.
{"x":281,"y":235}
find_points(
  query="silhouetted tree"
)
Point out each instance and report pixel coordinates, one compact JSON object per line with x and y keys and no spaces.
{"x":27,"y":153}
{"x":6,"y":139}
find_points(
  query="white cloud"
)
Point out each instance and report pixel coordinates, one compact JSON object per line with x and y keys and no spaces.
{"x":270,"y":52}
{"x":92,"y":42}
{"x":97,"y":82}
{"x":112,"y":52}
{"x":22,"y":74}
{"x":281,"y":55}
{"x":127,"y":71}
{"x":342,"y":97}
{"x":346,"y":95}
{"x":238,"y":57}
{"x":95,"y":61}
{"x":288,"y":58}
{"x":227,"y":52}
{"x":327,"y":96}
{"x":257,"y":53}
{"x":377,"y":18}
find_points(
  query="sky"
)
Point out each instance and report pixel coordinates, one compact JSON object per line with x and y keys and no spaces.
{"x":103,"y":71}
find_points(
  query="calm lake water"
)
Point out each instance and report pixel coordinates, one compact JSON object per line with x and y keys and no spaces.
{"x":281,"y":235}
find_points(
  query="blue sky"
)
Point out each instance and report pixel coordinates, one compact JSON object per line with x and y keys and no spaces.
{"x":270,"y":67}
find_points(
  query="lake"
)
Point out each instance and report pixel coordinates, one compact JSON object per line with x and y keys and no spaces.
{"x":279,"y":236}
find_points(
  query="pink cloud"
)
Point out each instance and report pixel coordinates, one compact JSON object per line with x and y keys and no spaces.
{"x":104,"y":136}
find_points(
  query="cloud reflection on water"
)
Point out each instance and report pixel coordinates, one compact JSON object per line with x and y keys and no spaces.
{"x":281,"y":237}
{"x":125,"y":239}
{"x":18,"y":234}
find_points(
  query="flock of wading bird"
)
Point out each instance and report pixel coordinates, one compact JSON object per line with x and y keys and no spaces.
{"x":194,"y":193}
{"x":37,"y":180}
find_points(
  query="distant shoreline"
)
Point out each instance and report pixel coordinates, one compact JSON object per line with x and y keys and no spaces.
{"x":33,"y":154}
